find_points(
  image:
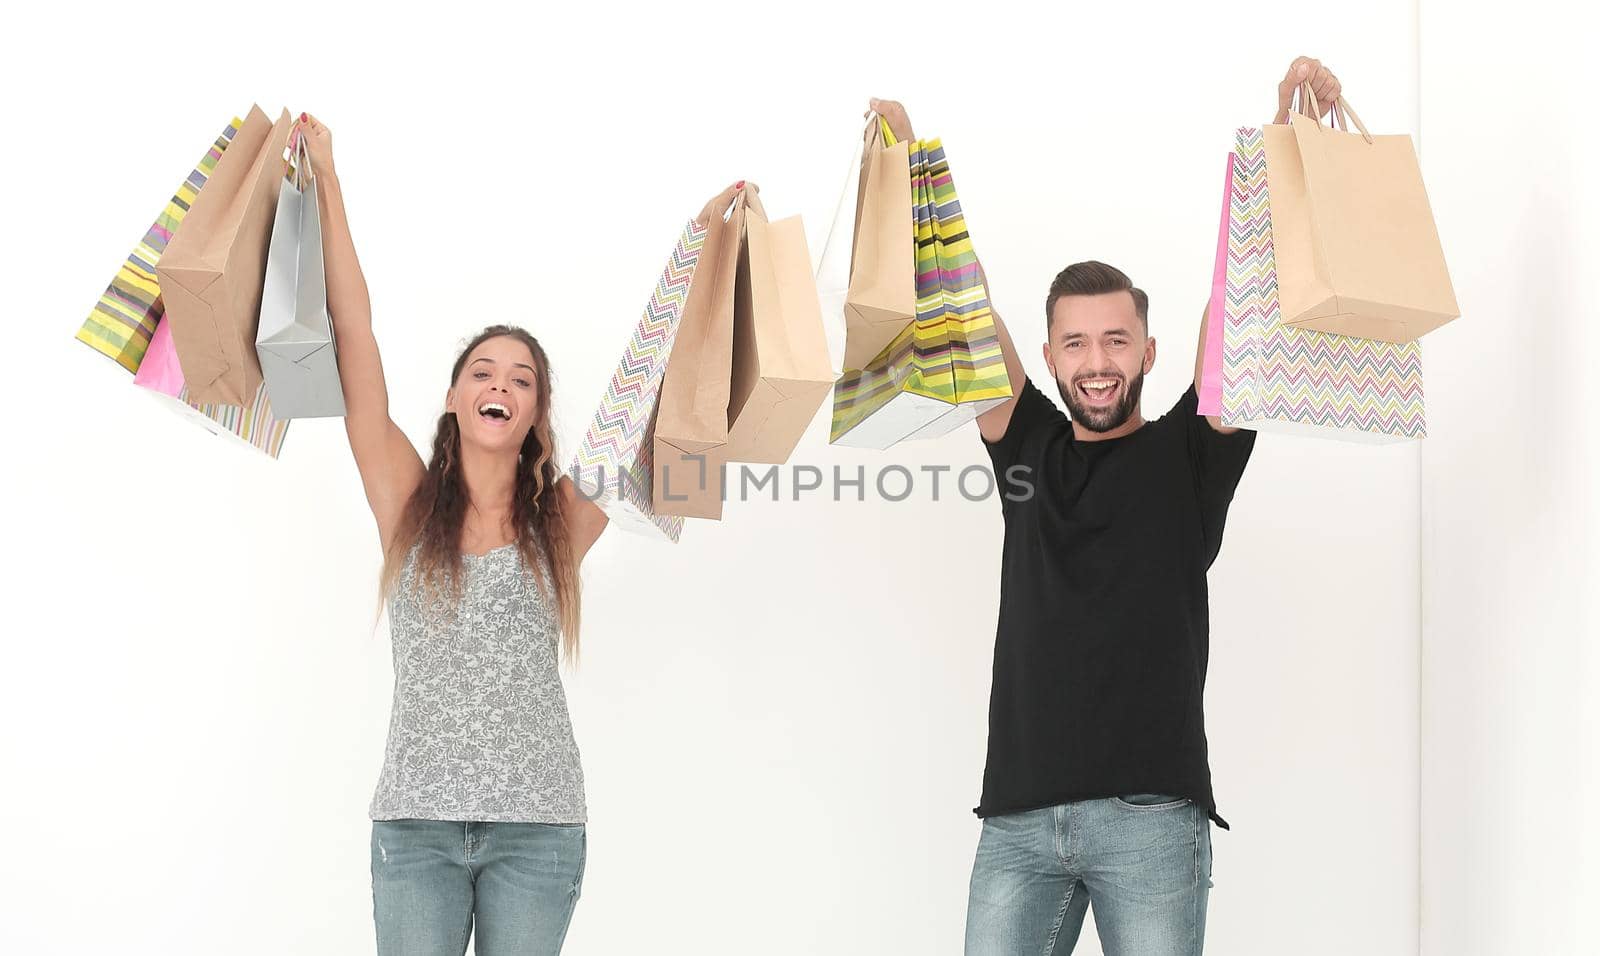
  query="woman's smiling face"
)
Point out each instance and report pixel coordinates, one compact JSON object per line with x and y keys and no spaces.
{"x":496,"y":397}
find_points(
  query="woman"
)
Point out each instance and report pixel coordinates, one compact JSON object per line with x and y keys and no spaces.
{"x":478,"y":818}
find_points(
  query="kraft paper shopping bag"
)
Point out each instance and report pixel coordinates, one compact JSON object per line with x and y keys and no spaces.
{"x":692,"y":417}
{"x":781,"y":368}
{"x":1360,"y":253}
{"x":213,"y":269}
{"x":881,"y":301}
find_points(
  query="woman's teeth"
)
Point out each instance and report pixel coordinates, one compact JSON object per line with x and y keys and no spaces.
{"x":494,"y":410}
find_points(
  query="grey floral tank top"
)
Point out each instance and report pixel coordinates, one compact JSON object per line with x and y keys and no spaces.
{"x":479,"y":729}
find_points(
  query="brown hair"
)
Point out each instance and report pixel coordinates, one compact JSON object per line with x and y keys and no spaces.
{"x":436,"y":512}
{"x":1094,"y":278}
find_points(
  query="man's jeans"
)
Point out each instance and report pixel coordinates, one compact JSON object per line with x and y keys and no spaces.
{"x":1142,"y":861}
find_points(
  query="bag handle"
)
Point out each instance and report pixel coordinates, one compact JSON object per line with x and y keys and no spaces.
{"x":299,"y":159}
{"x":751,"y":196}
{"x":1307,"y":98}
{"x":888,"y":134}
{"x":878,"y":132}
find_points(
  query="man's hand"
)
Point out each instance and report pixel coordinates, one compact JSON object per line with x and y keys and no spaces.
{"x":1302,"y":71}
{"x":899,"y":122}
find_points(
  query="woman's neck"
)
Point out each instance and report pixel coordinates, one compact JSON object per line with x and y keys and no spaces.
{"x":491,"y":480}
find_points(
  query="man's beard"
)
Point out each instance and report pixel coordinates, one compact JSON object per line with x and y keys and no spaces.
{"x":1101,"y":420}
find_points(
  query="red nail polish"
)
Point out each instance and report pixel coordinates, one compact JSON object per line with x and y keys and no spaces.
{"x":304,"y":117}
{"x":739,"y":184}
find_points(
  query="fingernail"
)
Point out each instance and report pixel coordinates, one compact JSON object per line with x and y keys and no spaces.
{"x":739,"y":184}
{"x":304,"y":117}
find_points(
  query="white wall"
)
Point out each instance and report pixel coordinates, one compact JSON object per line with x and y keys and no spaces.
{"x":1511,"y":760}
{"x":782,"y":741}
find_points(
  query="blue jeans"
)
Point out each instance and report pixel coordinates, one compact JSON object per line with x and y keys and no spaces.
{"x":433,"y":880}
{"x":1142,"y":861}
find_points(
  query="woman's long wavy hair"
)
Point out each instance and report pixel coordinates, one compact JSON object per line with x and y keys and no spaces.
{"x":436,"y":512}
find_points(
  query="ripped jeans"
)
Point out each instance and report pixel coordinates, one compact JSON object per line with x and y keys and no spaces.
{"x":434,"y":882}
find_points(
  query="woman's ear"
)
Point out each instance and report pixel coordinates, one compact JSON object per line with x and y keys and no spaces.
{"x":450,"y":399}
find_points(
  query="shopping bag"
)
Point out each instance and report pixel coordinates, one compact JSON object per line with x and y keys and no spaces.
{"x":1211,"y":361}
{"x":881,"y":300}
{"x":947,"y":368}
{"x":781,"y":368}
{"x":123,"y":321}
{"x":254,"y":424}
{"x":1360,"y":250}
{"x":692,"y":417}
{"x":978,"y":366}
{"x":1280,"y":378}
{"x":294,"y":340}
{"x":214,"y":266}
{"x":614,"y":464}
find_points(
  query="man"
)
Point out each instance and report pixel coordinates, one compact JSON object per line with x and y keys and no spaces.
{"x":1097,"y":789}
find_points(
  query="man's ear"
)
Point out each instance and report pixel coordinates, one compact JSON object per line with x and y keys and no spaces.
{"x":1049,"y":360}
{"x":1149,"y":354}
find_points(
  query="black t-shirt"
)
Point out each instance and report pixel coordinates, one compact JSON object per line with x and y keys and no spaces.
{"x":1100,"y":655}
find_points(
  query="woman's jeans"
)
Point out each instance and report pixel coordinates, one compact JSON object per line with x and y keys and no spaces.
{"x":433,"y":882}
{"x":1142,"y":861}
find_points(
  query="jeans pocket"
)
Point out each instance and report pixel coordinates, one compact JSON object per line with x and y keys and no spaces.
{"x":1151,"y":801}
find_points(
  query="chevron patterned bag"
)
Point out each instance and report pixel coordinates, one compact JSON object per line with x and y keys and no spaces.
{"x":947,"y":367}
{"x":1285,"y":379}
{"x":614,"y":463}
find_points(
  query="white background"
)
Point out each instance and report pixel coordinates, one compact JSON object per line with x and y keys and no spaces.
{"x":782,"y":718}
{"x":1511,"y":676}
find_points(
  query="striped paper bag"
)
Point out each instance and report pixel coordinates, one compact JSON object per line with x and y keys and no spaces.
{"x":977,"y":364}
{"x":947,"y":368}
{"x":253,"y":424}
{"x":123,"y":322}
{"x":1280,"y":378}
{"x":614,"y":464}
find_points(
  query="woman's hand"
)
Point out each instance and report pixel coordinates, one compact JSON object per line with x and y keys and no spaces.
{"x":1302,"y":71}
{"x":717,"y":208}
{"x":899,"y":122}
{"x":319,"y":144}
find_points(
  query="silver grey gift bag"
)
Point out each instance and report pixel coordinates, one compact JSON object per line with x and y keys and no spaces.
{"x":294,"y":340}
